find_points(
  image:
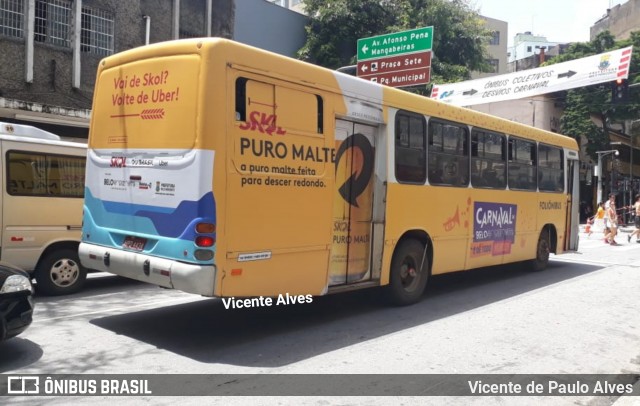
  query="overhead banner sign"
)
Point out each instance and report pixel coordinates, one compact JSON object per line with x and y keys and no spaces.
{"x":397,"y":59}
{"x":581,"y":72}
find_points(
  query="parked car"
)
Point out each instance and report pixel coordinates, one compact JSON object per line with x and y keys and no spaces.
{"x":16,"y":301}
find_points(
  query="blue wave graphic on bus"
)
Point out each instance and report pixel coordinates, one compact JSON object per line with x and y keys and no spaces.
{"x":170,"y":232}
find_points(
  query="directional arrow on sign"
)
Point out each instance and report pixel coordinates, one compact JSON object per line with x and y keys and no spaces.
{"x":365,"y":48}
{"x":605,"y":67}
{"x":566,"y":74}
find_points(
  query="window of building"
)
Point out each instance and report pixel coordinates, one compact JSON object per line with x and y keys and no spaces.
{"x":184,"y":34}
{"x":47,"y":175}
{"x":522,"y":164}
{"x":448,"y":154}
{"x":410,"y":151}
{"x":96,"y":34}
{"x":529,"y":49}
{"x":11,"y":18}
{"x":494,"y":64}
{"x":495,"y":38}
{"x":488,"y":159}
{"x":550,"y":169}
{"x":52,"y":22}
{"x":192,"y":19}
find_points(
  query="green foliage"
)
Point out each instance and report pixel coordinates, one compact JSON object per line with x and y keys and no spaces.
{"x":336,"y":25}
{"x":576,"y":121}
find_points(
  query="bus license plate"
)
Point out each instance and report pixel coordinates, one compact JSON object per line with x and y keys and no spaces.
{"x":134,"y":243}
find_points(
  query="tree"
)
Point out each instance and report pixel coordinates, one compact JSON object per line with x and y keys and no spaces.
{"x":459,"y":33}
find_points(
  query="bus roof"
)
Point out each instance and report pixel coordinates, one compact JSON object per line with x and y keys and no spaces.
{"x":27,"y":133}
{"x":323,"y":78}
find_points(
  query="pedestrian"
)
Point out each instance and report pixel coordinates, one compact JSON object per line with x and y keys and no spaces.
{"x":587,"y":229}
{"x":598,"y":219}
{"x":636,"y":211}
{"x":612,"y":221}
{"x":586,"y":211}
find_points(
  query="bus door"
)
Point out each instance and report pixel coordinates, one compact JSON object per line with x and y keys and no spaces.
{"x":573,"y":199}
{"x":350,"y":259}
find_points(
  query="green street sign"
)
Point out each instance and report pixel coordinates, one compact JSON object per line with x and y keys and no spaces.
{"x":405,"y":42}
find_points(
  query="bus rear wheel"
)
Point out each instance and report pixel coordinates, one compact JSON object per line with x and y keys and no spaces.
{"x":60,"y":273}
{"x":409,"y":273}
{"x":542,"y":253}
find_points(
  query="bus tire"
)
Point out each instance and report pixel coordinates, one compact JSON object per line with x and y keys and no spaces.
{"x":539,"y":263}
{"x":60,"y":273}
{"x":409,"y":273}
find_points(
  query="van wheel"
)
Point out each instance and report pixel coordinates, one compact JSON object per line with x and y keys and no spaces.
{"x":60,"y":273}
{"x":542,"y":253}
{"x":409,"y":273}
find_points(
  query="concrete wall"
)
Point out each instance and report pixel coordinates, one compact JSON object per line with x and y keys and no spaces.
{"x":620,"y":20}
{"x":269,"y":26}
{"x":538,"y":111}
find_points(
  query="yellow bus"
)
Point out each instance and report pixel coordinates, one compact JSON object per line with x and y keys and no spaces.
{"x":224,"y":170}
{"x":41,"y":206}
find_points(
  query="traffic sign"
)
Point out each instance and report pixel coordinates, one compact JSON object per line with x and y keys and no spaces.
{"x":394,"y":63}
{"x":400,"y":70}
{"x":587,"y":71}
{"x":420,"y":39}
{"x":411,"y":77}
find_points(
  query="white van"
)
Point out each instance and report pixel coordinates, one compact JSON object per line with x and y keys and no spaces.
{"x":41,"y":206}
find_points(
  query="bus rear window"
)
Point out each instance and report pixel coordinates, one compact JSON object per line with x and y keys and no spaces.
{"x":279,"y":106}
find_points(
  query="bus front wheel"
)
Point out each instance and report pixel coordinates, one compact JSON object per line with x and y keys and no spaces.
{"x":60,"y":273}
{"x":409,"y":273}
{"x":539,"y":263}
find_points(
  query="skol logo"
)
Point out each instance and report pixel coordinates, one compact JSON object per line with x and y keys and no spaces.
{"x":118,"y":161}
{"x":264,"y":123}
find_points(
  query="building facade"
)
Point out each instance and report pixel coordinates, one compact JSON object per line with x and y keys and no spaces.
{"x":496,"y":48}
{"x":619,"y":20}
{"x":526,"y":45}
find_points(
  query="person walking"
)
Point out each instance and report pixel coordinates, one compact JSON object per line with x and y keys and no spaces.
{"x":636,"y":221}
{"x":612,"y":221}
{"x":598,"y":220}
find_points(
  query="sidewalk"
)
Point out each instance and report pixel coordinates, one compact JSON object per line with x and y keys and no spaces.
{"x":627,"y":228}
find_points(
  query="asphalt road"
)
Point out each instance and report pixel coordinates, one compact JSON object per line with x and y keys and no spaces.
{"x":580,"y":316}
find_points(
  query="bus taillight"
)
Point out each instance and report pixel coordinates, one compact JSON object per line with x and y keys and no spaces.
{"x":205,"y":241}
{"x":205,"y":228}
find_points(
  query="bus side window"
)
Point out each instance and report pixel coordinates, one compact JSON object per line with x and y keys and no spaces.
{"x":488,"y":154}
{"x":522,"y":164}
{"x":551,"y":168}
{"x":448,"y":153}
{"x":410,"y":151}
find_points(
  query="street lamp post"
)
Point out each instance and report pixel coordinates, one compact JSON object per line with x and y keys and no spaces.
{"x":600,"y":155}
